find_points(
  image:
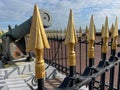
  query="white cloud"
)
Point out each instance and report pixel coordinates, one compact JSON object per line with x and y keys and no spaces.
{"x":20,"y":10}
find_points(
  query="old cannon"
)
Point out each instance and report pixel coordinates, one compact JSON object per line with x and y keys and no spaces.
{"x":17,"y":34}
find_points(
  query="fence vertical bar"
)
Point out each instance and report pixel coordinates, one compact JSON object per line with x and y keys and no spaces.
{"x":65,"y":60}
{"x":114,"y":46}
{"x":118,"y":82}
{"x":62,"y":56}
{"x":111,"y":31}
{"x":38,"y":42}
{"x":80,"y":35}
{"x":105,"y":36}
{"x":91,"y":49}
{"x":86,"y":42}
{"x":70,"y":41}
{"x":65,"y":54}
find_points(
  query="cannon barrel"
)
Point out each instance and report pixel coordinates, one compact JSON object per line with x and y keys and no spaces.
{"x":24,"y":28}
{"x":17,"y":34}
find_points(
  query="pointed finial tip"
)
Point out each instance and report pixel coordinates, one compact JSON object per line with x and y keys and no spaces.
{"x":35,"y":5}
{"x":92,"y":29}
{"x":106,"y":17}
{"x":71,"y":32}
{"x":70,"y":10}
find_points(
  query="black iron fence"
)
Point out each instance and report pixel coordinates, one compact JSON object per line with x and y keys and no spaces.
{"x":105,"y":72}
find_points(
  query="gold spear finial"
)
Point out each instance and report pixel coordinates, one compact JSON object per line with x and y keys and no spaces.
{"x":91,"y":29}
{"x":61,"y":34}
{"x":38,"y":41}
{"x":106,"y":31}
{"x":105,"y":37}
{"x":91,"y":38}
{"x":111,"y":30}
{"x":102,"y":31}
{"x":95,"y":29}
{"x":80,"y":32}
{"x":86,"y":32}
{"x":115,"y":35}
{"x":65,"y":31}
{"x":71,"y":32}
{"x":70,"y":40}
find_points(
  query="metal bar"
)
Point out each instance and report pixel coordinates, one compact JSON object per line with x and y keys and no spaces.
{"x":102,"y":81}
{"x":41,"y":84}
{"x":55,"y":49}
{"x":65,"y":59}
{"x":58,"y":55}
{"x":80,"y":54}
{"x":91,"y":63}
{"x":111,"y":82}
{"x":86,"y":51}
{"x":49,"y":49}
{"x":62,"y":55}
{"x":84,"y":82}
{"x":118,"y":86}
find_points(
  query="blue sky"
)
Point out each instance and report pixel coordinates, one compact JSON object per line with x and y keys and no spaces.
{"x":17,"y":11}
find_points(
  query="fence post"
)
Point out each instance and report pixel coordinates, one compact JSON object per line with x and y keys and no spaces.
{"x":91,"y":39}
{"x":86,"y":32}
{"x":111,"y":31}
{"x":118,"y":82}
{"x":114,"y":46}
{"x":80,"y":35}
{"x":38,"y":41}
{"x":105,"y":36}
{"x":70,"y":40}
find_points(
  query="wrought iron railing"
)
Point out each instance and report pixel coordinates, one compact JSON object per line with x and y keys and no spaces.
{"x":57,"y":57}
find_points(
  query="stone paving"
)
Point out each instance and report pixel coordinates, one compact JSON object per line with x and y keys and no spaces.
{"x":19,"y":76}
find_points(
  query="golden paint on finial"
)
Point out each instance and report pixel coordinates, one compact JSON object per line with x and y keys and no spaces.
{"x":91,"y":29}
{"x":91,"y":38}
{"x":86,"y":32}
{"x":80,"y":32}
{"x":112,"y":30}
{"x":38,"y":41}
{"x":95,"y":29}
{"x":115,"y":35}
{"x":106,"y":31}
{"x":102,"y":31}
{"x":70,"y":40}
{"x":71,"y":32}
{"x":105,"y":37}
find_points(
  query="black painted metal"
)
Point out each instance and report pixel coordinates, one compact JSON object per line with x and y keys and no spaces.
{"x":41,"y":84}
{"x":86,"y":51}
{"x":111,"y":81}
{"x":118,"y":82}
{"x":102,"y":81}
{"x":91,"y":63}
{"x":85,"y":78}
{"x":95,"y":75}
{"x":80,"y":53}
{"x":65,"y":59}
